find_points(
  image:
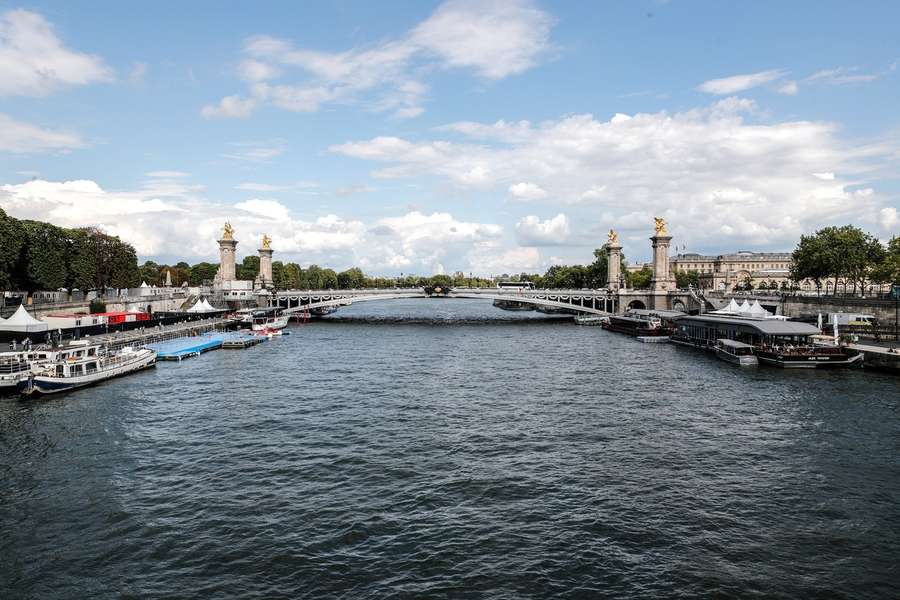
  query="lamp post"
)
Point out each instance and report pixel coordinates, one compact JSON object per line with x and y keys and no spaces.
{"x":895,"y":289}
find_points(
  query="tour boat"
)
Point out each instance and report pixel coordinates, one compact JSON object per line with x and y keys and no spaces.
{"x":81,"y":366}
{"x":736,"y":353}
{"x":268,"y":319}
{"x":589,"y":320}
{"x":15,"y":366}
{"x":806,"y":356}
{"x":642,"y":326}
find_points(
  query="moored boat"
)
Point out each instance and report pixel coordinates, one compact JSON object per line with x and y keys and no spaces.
{"x":640,"y":325}
{"x":269,"y":319}
{"x":806,"y":356}
{"x":591,"y":320}
{"x":15,"y":366}
{"x":83,"y":366}
{"x":736,"y":353}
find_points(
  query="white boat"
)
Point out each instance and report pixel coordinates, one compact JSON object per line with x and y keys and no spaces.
{"x":269,"y":319}
{"x":81,"y":366}
{"x":15,"y":366}
{"x":591,"y":320}
{"x":736,"y":353}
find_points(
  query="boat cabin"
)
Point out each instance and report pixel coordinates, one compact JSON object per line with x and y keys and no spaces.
{"x":704,"y":331}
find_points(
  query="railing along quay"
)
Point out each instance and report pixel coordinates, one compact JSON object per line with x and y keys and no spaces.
{"x":160,"y":333}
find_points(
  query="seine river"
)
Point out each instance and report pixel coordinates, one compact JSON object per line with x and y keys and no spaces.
{"x":446,"y":449}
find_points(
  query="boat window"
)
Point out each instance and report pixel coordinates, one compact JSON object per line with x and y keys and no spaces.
{"x":90,"y":367}
{"x":77,"y":369}
{"x":59,"y":370}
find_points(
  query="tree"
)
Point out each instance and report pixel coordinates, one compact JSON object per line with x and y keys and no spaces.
{"x":840,"y":253}
{"x":685,"y":278}
{"x":351,"y":279}
{"x":639,"y":280}
{"x":248,"y":269}
{"x":150,"y":272}
{"x":12,"y":242}
{"x":203,"y":273}
{"x":46,"y":250}
{"x":329,"y":279}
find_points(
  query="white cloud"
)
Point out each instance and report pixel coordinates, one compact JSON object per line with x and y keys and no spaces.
{"x":527,"y":191}
{"x":256,"y":151}
{"x":739,"y":83}
{"x":495,"y":39}
{"x":699,"y":168}
{"x":175,"y":223}
{"x":267,"y":209}
{"x":229,"y":107}
{"x":17,"y":137}
{"x":34,"y":62}
{"x":788,"y":88}
{"x":531,"y":231}
{"x":842,"y":76}
{"x":824,"y":176}
{"x":889,"y":219}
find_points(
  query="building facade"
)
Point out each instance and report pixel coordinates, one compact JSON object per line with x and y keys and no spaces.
{"x":726,"y":272}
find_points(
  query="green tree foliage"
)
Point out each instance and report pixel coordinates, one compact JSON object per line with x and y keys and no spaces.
{"x":685,"y":278}
{"x":150,"y":272}
{"x":639,"y":280}
{"x":846,"y":254}
{"x":46,"y":256}
{"x":203,"y":273}
{"x":351,"y":279}
{"x":248,"y":269}
{"x":12,"y":242}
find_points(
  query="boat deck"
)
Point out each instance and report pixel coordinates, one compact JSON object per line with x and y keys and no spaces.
{"x":187,"y":347}
{"x":242,"y":339}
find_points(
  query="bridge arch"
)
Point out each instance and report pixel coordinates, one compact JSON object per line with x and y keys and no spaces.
{"x":637,"y":304}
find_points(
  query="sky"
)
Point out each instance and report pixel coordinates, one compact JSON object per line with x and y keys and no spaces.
{"x":487,"y":137}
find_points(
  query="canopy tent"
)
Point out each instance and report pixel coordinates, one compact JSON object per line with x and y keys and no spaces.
{"x":757,"y":310}
{"x":202,"y":306}
{"x":731,"y":309}
{"x":21,"y":321}
{"x":744,"y":309}
{"x":144,"y":284}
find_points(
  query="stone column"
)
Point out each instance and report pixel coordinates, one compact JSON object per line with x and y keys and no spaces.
{"x":614,"y":265}
{"x":663,"y":280}
{"x":227,"y":271}
{"x":264,"y":279}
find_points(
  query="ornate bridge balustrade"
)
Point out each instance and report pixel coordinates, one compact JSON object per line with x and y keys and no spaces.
{"x":598,"y":302}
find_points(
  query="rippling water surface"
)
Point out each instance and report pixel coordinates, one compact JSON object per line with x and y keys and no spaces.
{"x":447,"y":449}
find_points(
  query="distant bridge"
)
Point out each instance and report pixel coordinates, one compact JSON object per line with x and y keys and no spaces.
{"x":595,"y":302}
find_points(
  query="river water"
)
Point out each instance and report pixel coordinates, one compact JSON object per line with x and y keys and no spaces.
{"x":446,"y":449}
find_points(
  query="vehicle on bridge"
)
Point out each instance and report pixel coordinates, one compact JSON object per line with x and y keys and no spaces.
{"x":521,"y":285}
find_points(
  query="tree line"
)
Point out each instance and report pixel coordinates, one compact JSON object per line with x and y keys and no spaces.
{"x":39,"y":256}
{"x":847,"y":256}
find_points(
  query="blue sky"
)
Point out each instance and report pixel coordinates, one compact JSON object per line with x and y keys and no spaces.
{"x":423,"y":137}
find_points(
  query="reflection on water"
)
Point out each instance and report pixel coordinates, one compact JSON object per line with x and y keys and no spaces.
{"x":445,"y":448}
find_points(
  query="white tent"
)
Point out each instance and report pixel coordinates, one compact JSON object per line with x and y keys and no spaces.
{"x":757,"y":310}
{"x":23,"y":322}
{"x":744,"y":309}
{"x":197,"y":307}
{"x":731,"y":309}
{"x":202,"y":306}
{"x":144,"y":284}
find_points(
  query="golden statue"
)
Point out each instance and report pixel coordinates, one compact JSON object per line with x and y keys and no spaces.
{"x":613,"y":237}
{"x":228,"y":232}
{"x":267,"y":242}
{"x":660,"y":226}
